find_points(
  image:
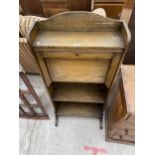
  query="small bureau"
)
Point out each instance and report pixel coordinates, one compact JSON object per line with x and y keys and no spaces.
{"x":79,"y":55}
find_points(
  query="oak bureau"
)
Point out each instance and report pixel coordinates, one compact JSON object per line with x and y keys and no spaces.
{"x":79,"y":55}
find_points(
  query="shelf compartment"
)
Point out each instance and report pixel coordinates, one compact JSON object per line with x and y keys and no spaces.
{"x":81,"y":93}
{"x":61,"y":39}
{"x":82,"y":110}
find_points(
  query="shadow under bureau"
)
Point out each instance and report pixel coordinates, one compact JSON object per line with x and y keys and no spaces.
{"x":79,"y":55}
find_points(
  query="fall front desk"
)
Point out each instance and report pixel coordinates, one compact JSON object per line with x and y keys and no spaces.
{"x":79,"y":55}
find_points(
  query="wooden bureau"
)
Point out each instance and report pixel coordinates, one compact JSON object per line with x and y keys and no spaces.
{"x":79,"y":55}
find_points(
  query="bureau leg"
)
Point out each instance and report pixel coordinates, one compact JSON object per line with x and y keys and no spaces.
{"x":56,"y":120}
{"x":101,"y":122}
{"x":56,"y":115}
{"x":101,"y":118}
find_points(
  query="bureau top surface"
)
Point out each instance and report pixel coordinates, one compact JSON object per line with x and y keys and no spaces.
{"x":60,"y":39}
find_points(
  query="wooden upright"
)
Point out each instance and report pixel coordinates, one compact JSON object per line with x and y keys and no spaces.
{"x":120,"y":110}
{"x":79,"y":55}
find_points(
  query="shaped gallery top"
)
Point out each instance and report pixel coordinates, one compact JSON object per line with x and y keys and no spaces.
{"x":79,"y":30}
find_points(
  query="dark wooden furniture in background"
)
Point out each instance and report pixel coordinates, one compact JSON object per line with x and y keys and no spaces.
{"x":79,"y":5}
{"x":31,"y":7}
{"x":30,"y":105}
{"x":53,"y":7}
{"x":128,"y":15}
{"x":120,"y":110}
{"x":130,"y":56}
{"x":113,"y":8}
{"x":48,"y":8}
{"x":68,"y":59}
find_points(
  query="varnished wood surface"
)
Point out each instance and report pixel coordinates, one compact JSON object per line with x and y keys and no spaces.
{"x":55,"y":39}
{"x":76,"y":70}
{"x":53,"y":11}
{"x":79,"y":54}
{"x":30,"y":7}
{"x":70,"y":30}
{"x":108,"y":1}
{"x":120,"y":111}
{"x":77,"y":21}
{"x":53,"y":0}
{"x":76,"y":109}
{"x":48,"y":8}
{"x":53,"y":7}
{"x":80,"y":93}
{"x":130,"y":56}
{"x":127,"y":10}
{"x":113,"y":10}
{"x":128,"y":78}
{"x":113,"y":69}
{"x":44,"y":69}
{"x":61,"y":42}
{"x":79,"y":5}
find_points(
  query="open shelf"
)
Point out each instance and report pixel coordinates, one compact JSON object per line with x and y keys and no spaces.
{"x":79,"y":99}
{"x":80,"y":93}
{"x":82,"y":110}
{"x":79,"y":39}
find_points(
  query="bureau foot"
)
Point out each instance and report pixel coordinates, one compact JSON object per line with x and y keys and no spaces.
{"x":101,"y":118}
{"x":101,"y":123}
{"x":56,"y":121}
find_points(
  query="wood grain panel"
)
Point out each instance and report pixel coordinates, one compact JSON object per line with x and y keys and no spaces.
{"x":76,"y":109}
{"x":54,"y":5}
{"x":112,"y":10}
{"x":54,"y":1}
{"x":128,"y":72}
{"x":121,"y":111}
{"x":44,"y":68}
{"x":30,"y":7}
{"x":79,"y":22}
{"x":77,"y":70}
{"x":79,"y":39}
{"x":26,"y":58}
{"x":80,"y":93}
{"x":77,"y":55}
{"x":79,"y":5}
{"x":108,"y":1}
{"x":112,"y":69}
{"x":48,"y":12}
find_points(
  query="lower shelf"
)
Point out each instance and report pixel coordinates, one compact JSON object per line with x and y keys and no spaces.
{"x":79,"y":109}
{"x":84,"y":93}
